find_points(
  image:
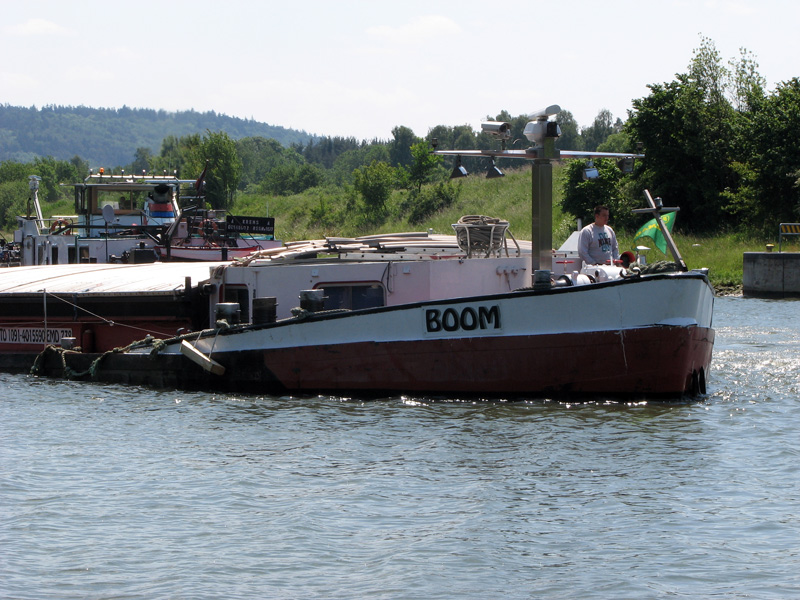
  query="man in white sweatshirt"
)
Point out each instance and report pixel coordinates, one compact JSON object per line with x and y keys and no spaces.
{"x":597,"y":244}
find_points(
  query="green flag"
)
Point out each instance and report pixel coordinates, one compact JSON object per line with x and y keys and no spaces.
{"x":652,"y":231}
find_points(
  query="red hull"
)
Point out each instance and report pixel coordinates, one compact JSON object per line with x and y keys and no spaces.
{"x":519,"y":344}
{"x":544,"y":366}
{"x":585,"y":363}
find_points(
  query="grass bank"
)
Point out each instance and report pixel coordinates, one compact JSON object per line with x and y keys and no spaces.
{"x":508,"y":198}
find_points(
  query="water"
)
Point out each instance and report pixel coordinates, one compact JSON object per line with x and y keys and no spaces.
{"x":119,"y":492}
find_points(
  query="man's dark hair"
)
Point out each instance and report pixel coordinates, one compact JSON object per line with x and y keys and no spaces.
{"x":600,"y":208}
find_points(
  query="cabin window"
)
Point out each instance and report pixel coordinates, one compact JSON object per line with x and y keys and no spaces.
{"x":353,"y":297}
{"x":122,"y":202}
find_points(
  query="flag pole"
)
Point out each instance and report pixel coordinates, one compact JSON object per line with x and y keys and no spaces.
{"x":656,"y":209}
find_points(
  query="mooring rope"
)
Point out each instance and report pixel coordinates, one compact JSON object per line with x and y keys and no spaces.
{"x":156,"y":344}
{"x":69,"y":372}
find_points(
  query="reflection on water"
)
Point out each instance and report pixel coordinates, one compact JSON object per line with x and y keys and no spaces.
{"x":111,"y":491}
{"x":757,"y":354}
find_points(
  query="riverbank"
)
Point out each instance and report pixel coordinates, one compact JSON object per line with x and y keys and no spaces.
{"x":728,"y":290}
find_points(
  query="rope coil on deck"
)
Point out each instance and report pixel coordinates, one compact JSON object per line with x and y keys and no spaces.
{"x":480,"y":233}
{"x":660,"y":266}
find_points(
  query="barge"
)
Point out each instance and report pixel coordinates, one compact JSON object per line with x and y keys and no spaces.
{"x":474,"y":314}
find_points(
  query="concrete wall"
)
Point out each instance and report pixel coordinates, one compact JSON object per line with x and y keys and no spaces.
{"x":771,"y":274}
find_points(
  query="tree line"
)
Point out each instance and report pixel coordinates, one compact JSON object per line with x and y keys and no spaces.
{"x":715,"y":143}
{"x":369,"y":171}
{"x":106,"y":136}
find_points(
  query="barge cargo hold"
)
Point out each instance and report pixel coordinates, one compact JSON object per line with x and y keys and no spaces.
{"x":97,"y":307}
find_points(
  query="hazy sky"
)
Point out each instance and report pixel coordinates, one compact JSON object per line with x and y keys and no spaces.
{"x":359,"y":68}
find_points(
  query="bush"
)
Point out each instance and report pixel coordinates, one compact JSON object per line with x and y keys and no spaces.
{"x":14,"y":197}
{"x":288,"y":179}
{"x":374,"y":183}
{"x":421,"y":204}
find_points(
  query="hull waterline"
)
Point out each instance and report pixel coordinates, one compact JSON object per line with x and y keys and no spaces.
{"x":524,"y":344}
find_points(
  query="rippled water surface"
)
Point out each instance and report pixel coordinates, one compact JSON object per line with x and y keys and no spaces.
{"x":120,"y":492}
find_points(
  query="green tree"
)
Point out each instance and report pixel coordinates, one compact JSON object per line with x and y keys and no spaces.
{"x":176,"y":155}
{"x":224,"y":167}
{"x":288,"y":178}
{"x":260,"y":156}
{"x":617,"y":142}
{"x":141,"y":161}
{"x":400,"y":146}
{"x":374,"y":183}
{"x":443,"y":135}
{"x":598,"y":132}
{"x":350,"y":160}
{"x":745,"y":202}
{"x":13,"y":171}
{"x":570,"y":136}
{"x":689,"y":132}
{"x":16,"y":193}
{"x":424,"y":165}
{"x":54,"y":172}
{"x":81,"y":166}
{"x":429,"y":200}
{"x":775,"y":158}
{"x":609,"y":188}
{"x":325,"y":151}
{"x":14,"y":200}
{"x":746,"y":82}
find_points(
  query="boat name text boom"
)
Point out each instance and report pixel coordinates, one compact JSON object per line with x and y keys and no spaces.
{"x":465,"y":319}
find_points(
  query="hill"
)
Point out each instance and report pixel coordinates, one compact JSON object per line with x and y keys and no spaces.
{"x":110,"y":137}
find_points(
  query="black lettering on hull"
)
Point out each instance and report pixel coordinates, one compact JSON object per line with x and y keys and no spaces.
{"x":467,"y":319}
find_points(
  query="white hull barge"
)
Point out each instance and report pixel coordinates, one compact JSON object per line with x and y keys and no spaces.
{"x":410,"y":314}
{"x":134,"y":219}
{"x":647,"y":336}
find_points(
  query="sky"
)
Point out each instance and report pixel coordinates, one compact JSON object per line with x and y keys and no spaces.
{"x":361,"y":68}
